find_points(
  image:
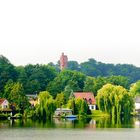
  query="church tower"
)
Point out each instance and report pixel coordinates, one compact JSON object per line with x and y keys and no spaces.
{"x":63,"y":61}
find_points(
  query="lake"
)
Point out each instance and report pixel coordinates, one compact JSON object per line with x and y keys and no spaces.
{"x":61,"y":129}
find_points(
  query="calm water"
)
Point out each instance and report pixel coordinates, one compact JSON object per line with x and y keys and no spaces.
{"x":90,"y":129}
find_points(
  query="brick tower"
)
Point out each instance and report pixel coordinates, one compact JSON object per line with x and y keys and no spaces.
{"x":63,"y":61}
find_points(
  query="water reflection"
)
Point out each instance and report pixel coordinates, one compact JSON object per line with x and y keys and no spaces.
{"x":90,"y":123}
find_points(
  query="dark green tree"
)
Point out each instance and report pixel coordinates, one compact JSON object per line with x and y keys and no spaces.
{"x":7,"y":72}
{"x":89,"y":84}
{"x":14,"y":92}
{"x":119,"y":80}
{"x":35,"y":78}
{"x":73,"y":79}
{"x":73,"y":65}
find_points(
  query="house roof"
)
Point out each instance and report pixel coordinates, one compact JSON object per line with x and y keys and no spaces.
{"x":88,"y":96}
{"x":2,"y":100}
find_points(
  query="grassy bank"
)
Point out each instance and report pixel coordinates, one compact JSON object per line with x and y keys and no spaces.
{"x":98,"y":113}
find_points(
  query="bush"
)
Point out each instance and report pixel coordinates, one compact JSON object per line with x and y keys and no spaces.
{"x":3,"y":116}
{"x":18,"y":115}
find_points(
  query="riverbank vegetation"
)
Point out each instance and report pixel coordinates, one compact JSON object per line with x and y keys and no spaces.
{"x":114,"y":86}
{"x":115,"y":100}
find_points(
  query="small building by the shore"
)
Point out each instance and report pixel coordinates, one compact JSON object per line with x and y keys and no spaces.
{"x":62,"y":111}
{"x":4,"y":104}
{"x":33,"y":99}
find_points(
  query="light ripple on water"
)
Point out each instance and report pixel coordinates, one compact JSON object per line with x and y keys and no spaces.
{"x":69,"y":134}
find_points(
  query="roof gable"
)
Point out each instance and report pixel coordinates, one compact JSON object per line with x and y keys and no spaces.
{"x":88,"y":96}
{"x":2,"y":100}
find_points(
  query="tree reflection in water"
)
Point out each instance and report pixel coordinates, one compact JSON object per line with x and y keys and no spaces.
{"x":89,"y":123}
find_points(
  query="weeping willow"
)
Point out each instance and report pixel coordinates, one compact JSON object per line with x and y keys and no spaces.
{"x":46,"y":106}
{"x":115,"y":100}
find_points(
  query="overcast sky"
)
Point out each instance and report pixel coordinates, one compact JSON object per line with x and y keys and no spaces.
{"x":38,"y":31}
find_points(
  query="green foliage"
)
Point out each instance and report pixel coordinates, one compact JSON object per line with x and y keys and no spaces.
{"x":99,"y":113}
{"x":34,"y":78}
{"x":94,"y":84}
{"x":60,"y":100}
{"x":71,"y":105}
{"x":98,"y":84}
{"x":67,"y":92}
{"x":79,"y":106}
{"x":39,"y":77}
{"x":14,"y":92}
{"x":135,"y":88}
{"x":84,"y":109}
{"x":119,"y":80}
{"x":73,"y":79}
{"x":46,"y":106}
{"x":90,"y":68}
{"x":89,"y":84}
{"x":94,"y":69}
{"x":18,"y":115}
{"x":73,"y":65}
{"x":4,"y":116}
{"x":115,"y":100}
{"x":29,"y":113}
{"x":31,"y":79}
{"x":78,"y":103}
{"x":7,"y":72}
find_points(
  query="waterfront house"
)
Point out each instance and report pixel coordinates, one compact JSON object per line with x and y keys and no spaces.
{"x":88,"y":97}
{"x":4,"y":104}
{"x":33,"y":99}
{"x":137,"y":103}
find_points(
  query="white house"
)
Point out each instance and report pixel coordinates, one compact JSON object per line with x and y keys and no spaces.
{"x":4,"y":103}
{"x":137,"y":103}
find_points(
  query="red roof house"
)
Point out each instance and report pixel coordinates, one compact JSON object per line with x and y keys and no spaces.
{"x":3,"y":103}
{"x":88,"y":97}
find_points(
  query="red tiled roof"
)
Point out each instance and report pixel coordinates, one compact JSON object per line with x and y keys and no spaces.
{"x":88,"y":96}
{"x":2,"y":100}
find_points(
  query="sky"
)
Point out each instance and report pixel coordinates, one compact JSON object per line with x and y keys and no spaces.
{"x":38,"y":31}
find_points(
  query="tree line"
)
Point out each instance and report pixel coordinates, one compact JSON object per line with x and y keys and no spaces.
{"x":17,"y":81}
{"x":94,"y":68}
{"x":36,"y":78}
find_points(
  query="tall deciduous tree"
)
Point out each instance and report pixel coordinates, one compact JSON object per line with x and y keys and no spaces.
{"x":119,"y":80}
{"x":115,"y":100}
{"x":14,"y":92}
{"x":73,"y":65}
{"x":35,"y":78}
{"x":7,"y":72}
{"x":73,"y":79}
{"x":135,"y":88}
{"x":60,"y":100}
{"x":46,"y":106}
{"x":89,"y":84}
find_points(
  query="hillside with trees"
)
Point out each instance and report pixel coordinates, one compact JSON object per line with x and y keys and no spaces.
{"x":94,"y":68}
{"x":108,"y":82}
{"x":87,"y":76}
